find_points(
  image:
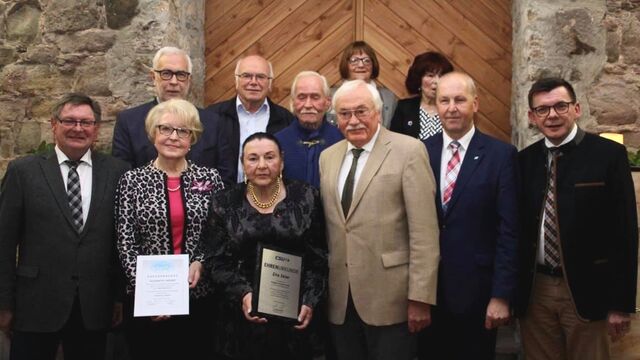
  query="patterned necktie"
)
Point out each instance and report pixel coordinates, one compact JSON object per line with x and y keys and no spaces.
{"x":347,"y":191}
{"x":551,"y":228}
{"x":453,"y":167}
{"x":73,"y":194}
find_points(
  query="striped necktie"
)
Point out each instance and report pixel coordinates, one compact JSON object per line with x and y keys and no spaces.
{"x":551,"y":228}
{"x":73,"y":194}
{"x":453,"y":167}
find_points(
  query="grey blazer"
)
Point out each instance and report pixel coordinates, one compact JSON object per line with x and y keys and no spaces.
{"x":39,"y":282}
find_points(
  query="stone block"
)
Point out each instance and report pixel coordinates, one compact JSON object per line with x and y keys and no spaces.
{"x":7,"y":143}
{"x":28,"y":137}
{"x":92,"y":40}
{"x":613,"y":102}
{"x":41,"y":54}
{"x":13,"y":109}
{"x":631,"y":42}
{"x":7,"y":55}
{"x":23,"y":23}
{"x":62,"y":16}
{"x":120,"y":12}
{"x":33,"y":79}
{"x":90,"y":77}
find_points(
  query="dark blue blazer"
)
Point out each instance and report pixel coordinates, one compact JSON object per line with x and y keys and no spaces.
{"x":478,"y":233}
{"x":131,"y":144}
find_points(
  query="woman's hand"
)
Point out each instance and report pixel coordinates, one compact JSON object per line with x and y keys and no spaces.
{"x":160,"y":318}
{"x":246,"y":310}
{"x":195,"y":269}
{"x":306,"y":313}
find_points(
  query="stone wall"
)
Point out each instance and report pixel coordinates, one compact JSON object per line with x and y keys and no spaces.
{"x":595,"y":44}
{"x":99,"y":47}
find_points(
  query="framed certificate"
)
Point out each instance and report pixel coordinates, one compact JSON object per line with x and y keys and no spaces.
{"x":277,"y":284}
{"x":162,"y":285}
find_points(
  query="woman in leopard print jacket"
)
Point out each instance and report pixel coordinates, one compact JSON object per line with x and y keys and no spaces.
{"x":161,"y":209}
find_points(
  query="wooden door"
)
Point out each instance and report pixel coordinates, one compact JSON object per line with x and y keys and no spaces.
{"x":297,"y":35}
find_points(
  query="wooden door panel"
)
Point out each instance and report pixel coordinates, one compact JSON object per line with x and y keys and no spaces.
{"x":297,"y":35}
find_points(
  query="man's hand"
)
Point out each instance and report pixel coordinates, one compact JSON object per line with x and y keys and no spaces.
{"x":497,"y":313}
{"x":246,"y":310}
{"x":419,"y":316}
{"x":195,"y":270}
{"x":618,"y":324}
{"x":306,"y":313}
{"x":6,"y":318}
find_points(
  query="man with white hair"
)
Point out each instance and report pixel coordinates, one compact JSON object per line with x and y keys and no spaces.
{"x":171,"y":76}
{"x":250,"y":111}
{"x":304,"y":139}
{"x":382,"y":230}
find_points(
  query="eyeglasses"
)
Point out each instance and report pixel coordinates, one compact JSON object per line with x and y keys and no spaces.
{"x":167,"y":130}
{"x":70,"y":123}
{"x":250,"y":76}
{"x":358,"y":113}
{"x":168,"y":74}
{"x":355,"y":60}
{"x":561,"y":107}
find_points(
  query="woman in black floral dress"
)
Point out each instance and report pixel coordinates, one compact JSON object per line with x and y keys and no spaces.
{"x":270,"y":211}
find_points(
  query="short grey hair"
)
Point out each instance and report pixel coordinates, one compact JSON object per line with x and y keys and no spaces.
{"x":170,"y":50}
{"x":351,"y":85}
{"x":325,"y":84}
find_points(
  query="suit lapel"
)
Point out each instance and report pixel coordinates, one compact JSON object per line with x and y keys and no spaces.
{"x":472,"y":158}
{"x":333,"y":172}
{"x":98,"y":184}
{"x":53,"y":176}
{"x":434,"y":148}
{"x":377,"y":156}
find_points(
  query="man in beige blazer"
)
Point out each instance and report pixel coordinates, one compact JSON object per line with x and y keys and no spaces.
{"x":378,"y":194}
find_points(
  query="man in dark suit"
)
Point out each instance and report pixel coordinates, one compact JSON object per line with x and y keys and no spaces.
{"x":477,"y":212}
{"x":579,"y":238}
{"x":57,"y":210}
{"x":171,"y":76}
{"x":250,"y":111}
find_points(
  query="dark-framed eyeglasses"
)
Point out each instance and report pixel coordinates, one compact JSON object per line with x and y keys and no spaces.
{"x":561,"y":107}
{"x":70,"y":123}
{"x":250,"y":76}
{"x":168,"y":74}
{"x":167,"y":130}
{"x":364,"y":60}
{"x":358,"y":113}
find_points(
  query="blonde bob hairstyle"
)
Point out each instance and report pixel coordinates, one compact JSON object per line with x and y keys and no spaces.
{"x":182,"y":109}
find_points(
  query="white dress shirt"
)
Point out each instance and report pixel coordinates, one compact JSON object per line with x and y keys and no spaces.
{"x":447,"y":154}
{"x":362,"y":161}
{"x":85,"y":174}
{"x":549,"y":144}
{"x":250,"y":123}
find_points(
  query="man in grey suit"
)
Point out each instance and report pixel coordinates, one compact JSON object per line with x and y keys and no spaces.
{"x":57,"y":209}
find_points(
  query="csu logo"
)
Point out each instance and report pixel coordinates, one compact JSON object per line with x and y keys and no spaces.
{"x":281,"y":258}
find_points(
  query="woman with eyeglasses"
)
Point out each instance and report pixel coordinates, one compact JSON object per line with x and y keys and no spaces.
{"x":161,"y":209}
{"x":417,"y":116}
{"x":359,"y":61}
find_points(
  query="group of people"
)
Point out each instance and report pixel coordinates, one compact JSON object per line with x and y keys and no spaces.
{"x":419,"y":234}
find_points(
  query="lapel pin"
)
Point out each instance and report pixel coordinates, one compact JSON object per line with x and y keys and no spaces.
{"x":409,"y":122}
{"x":476,"y":157}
